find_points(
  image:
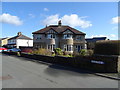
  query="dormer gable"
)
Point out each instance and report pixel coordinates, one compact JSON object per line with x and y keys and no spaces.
{"x":68,"y":31}
{"x":51,"y":31}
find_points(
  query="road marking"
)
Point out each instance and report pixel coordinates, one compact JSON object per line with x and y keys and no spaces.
{"x":6,"y":77}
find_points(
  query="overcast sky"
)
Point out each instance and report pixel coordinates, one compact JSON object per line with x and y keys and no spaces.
{"x":96,"y":19}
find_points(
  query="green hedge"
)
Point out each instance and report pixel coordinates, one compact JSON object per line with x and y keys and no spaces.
{"x":109,"y":47}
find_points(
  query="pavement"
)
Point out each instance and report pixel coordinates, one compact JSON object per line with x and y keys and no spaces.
{"x":23,"y":73}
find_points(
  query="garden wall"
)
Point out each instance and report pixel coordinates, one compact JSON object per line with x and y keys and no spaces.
{"x":96,"y":63}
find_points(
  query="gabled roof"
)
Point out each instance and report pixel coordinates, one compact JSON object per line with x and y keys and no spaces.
{"x":58,"y":29}
{"x":4,"y":38}
{"x":20,"y":37}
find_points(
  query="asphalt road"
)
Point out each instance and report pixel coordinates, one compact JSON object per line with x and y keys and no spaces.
{"x":22,"y":73}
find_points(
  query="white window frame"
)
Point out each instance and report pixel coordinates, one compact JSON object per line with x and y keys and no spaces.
{"x":66,"y":36}
{"x":51,"y":47}
{"x":68,"y":47}
{"x":78,"y":37}
{"x":51,"y":36}
{"x":76,"y":46}
{"x":38,"y":37}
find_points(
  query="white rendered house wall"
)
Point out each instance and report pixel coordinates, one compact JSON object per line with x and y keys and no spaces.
{"x":22,"y":42}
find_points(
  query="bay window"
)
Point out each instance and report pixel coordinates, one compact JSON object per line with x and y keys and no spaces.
{"x":68,"y":47}
{"x":51,"y":47}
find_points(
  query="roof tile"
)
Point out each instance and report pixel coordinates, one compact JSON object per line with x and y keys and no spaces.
{"x":59,"y":29}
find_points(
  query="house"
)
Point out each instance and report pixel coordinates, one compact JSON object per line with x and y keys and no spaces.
{"x":59,"y":36}
{"x":3,"y":41}
{"x":91,"y":41}
{"x":19,"y":41}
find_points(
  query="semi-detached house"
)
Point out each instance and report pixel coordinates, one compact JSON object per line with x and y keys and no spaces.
{"x":59,"y":36}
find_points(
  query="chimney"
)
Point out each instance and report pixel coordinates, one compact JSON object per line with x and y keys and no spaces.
{"x":46,"y":26}
{"x":59,"y":23}
{"x":19,"y":33}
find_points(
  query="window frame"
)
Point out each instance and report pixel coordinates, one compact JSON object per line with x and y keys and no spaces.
{"x":67,"y":36}
{"x":68,"y":47}
{"x":51,"y":36}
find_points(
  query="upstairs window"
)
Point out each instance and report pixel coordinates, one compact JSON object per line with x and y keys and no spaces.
{"x":37,"y":37}
{"x":78,"y":38}
{"x":68,"y":36}
{"x":49,"y":36}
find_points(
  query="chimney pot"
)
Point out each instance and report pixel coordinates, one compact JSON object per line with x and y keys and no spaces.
{"x":59,"y":23}
{"x":19,"y":33}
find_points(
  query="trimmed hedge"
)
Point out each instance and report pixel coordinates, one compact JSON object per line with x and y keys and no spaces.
{"x":111,"y":47}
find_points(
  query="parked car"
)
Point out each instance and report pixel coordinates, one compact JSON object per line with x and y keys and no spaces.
{"x":3,"y":49}
{"x":26,"y":50}
{"x":14,"y":50}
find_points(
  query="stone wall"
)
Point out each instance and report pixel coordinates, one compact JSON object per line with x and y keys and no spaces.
{"x":96,"y":63}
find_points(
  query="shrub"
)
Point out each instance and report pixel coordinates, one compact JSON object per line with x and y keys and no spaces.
{"x":75,"y":54}
{"x":53,"y":54}
{"x":18,"y":54}
{"x":42,"y":51}
{"x":58,"y":51}
{"x":68,"y":55}
{"x":90,"y":52}
{"x":83,"y":52}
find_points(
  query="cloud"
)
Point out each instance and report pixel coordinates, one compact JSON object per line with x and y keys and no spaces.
{"x":31,"y":15}
{"x":115,"y":28}
{"x":72,"y":20}
{"x":46,"y":9}
{"x":115,"y":20}
{"x":53,"y":19}
{"x":110,"y":36}
{"x":9,"y":19}
{"x":98,"y":36}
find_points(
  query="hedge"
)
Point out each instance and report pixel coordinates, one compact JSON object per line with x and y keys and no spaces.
{"x":107,"y":47}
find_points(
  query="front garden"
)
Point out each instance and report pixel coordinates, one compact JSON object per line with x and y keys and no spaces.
{"x":59,"y":52}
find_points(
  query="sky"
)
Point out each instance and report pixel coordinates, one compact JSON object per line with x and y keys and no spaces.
{"x":96,"y":19}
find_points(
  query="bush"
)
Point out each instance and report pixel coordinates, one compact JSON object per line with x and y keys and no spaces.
{"x":42,"y":51}
{"x":83,"y":52}
{"x":58,"y":51}
{"x":68,"y":55}
{"x":90,"y":52}
{"x":75,"y":54}
{"x":53,"y":54}
{"x":18,"y":54}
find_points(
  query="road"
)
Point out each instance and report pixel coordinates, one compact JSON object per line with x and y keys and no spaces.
{"x":22,"y":73}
